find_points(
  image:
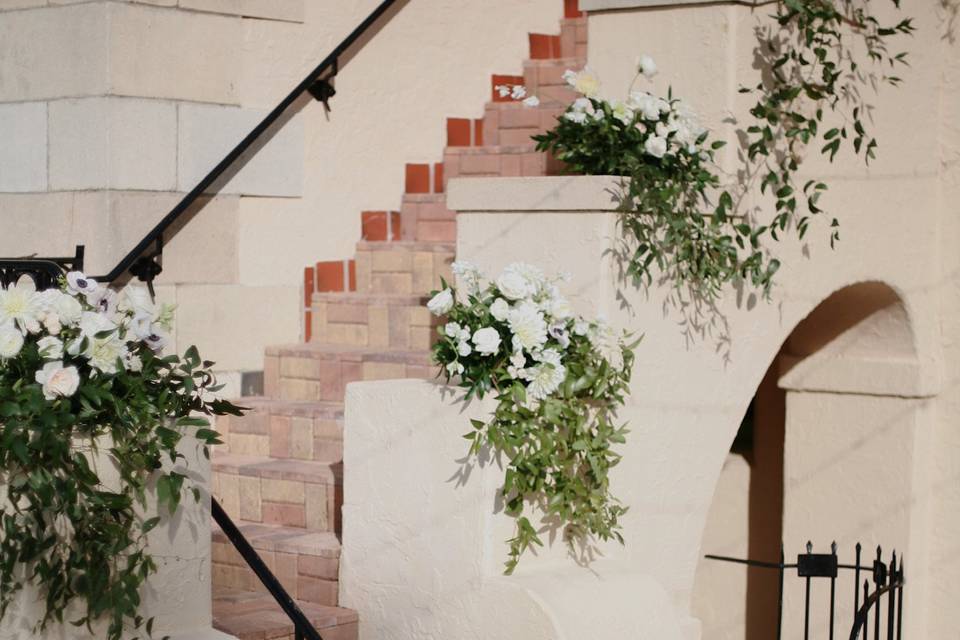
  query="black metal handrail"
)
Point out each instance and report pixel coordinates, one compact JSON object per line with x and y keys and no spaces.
{"x":304,"y":629}
{"x":318,"y":83}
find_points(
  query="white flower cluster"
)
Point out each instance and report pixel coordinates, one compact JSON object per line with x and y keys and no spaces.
{"x":86,"y":322}
{"x":517,"y":92}
{"x":667,"y":125}
{"x":522,"y":319}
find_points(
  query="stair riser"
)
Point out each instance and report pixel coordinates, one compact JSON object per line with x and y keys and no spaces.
{"x":283,"y":436}
{"x":372,"y":325}
{"x":573,"y":38}
{"x":326,"y":380}
{"x":402,"y":271}
{"x":292,"y":503}
{"x":500,"y":164}
{"x":307,"y":578}
{"x":500,"y":125}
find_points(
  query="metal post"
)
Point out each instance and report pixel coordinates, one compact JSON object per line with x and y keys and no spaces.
{"x":780,"y":595}
{"x":833,"y":589}
{"x":891,"y":596}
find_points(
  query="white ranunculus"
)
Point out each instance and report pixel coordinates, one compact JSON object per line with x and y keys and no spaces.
{"x":500,"y":309}
{"x":68,"y":310}
{"x":464,"y":349}
{"x":21,"y":304}
{"x":517,"y":362}
{"x":451,"y":329}
{"x":51,"y":348}
{"x":528,"y":326}
{"x":646,"y":66}
{"x":441,"y":303}
{"x":486,"y":341}
{"x":58,"y":381}
{"x":78,"y":283}
{"x":655,"y":146}
{"x":11,"y":340}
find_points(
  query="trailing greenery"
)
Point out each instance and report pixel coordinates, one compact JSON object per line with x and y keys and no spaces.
{"x":558,"y":382}
{"x":684,"y":223}
{"x":91,"y":418}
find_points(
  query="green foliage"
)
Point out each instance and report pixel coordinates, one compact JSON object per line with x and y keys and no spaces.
{"x":69,"y":527}
{"x":682,"y":223}
{"x":557,"y":443}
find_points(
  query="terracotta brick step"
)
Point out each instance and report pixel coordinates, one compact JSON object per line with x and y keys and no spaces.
{"x":306,"y":563}
{"x":503,"y":160}
{"x":424,"y":178}
{"x":403,"y":267}
{"x":464,"y":132}
{"x":573,"y":37}
{"x":309,"y":372}
{"x":249,"y":615}
{"x":544,"y":79}
{"x":285,"y":429}
{"x":544,"y":46}
{"x":425,"y":217}
{"x":512,"y":123}
{"x":293,"y":493}
{"x":375,"y":320}
{"x":380,"y":226}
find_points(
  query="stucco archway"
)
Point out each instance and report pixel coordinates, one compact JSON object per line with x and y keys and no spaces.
{"x":835,"y":453}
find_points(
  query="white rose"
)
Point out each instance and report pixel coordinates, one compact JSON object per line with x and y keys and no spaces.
{"x":452,"y":329}
{"x":499,"y":309}
{"x":68,"y":309}
{"x":11,"y":340}
{"x":514,"y":286}
{"x":464,"y":349}
{"x":441,"y":303}
{"x":51,"y":348}
{"x":646,"y":66}
{"x":57,"y":381}
{"x":486,"y":340}
{"x":655,"y":146}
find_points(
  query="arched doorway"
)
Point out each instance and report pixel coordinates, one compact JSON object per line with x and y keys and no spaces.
{"x":828,"y":451}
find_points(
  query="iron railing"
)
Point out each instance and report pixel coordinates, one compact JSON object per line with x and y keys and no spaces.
{"x":144,"y":261}
{"x":887,"y":579}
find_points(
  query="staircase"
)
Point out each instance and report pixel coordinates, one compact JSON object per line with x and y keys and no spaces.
{"x":279,"y":472}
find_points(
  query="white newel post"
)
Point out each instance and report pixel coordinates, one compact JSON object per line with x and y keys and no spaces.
{"x":423,"y":534}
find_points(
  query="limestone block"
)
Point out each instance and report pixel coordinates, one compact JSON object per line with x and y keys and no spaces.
{"x":173,"y":54}
{"x":113,"y":143}
{"x":233,"y":324}
{"x":23,"y":155}
{"x":289,"y":10}
{"x":36,"y":46}
{"x":10,"y":5}
{"x":208,"y":132}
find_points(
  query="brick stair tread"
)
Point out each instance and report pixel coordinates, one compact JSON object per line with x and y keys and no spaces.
{"x":365,"y":298}
{"x":251,"y":615}
{"x":275,"y":537}
{"x":407,"y":245}
{"x":499,"y":149}
{"x":299,"y":408}
{"x":314,"y":471}
{"x":355,"y":354}
{"x":569,"y":62}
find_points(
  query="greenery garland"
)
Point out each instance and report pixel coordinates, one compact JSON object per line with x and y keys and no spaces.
{"x":82,"y":387}
{"x":682,"y":225}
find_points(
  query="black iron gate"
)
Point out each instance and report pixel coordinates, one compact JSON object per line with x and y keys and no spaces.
{"x":879,"y":596}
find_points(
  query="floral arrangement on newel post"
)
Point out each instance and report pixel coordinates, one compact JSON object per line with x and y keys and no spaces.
{"x":558,"y":380}
{"x":82,"y":376}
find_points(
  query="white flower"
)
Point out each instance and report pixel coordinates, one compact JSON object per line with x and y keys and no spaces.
{"x":441,"y":303}
{"x":452,"y":329}
{"x":102,"y":352}
{"x":604,"y":339}
{"x":531,"y":102}
{"x":77,"y":283}
{"x":646,"y":66}
{"x":21,"y":305}
{"x":486,"y":340}
{"x":58,"y":381}
{"x":559,"y":333}
{"x":51,"y":348}
{"x":136,"y":300}
{"x":499,"y":309}
{"x":517,"y":362}
{"x":464,"y":349}
{"x":584,"y":81}
{"x":467,"y":274}
{"x":157,"y":340}
{"x":68,"y":310}
{"x":133,"y":363}
{"x":546,"y":377}
{"x":455,"y":368}
{"x":520,"y":280}
{"x":503,"y":90}
{"x":580,"y":327}
{"x":11,"y":340}
{"x":519,"y":92}
{"x":103,"y":300}
{"x":528,"y":326}
{"x":622,"y":112}
{"x":577,"y":117}
{"x":464,"y":334}
{"x":655,"y":146}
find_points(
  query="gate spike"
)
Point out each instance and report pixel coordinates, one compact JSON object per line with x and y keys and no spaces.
{"x":833,"y":547}
{"x":809,"y":547}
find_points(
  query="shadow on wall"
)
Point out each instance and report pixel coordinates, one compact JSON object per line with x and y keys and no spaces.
{"x":863,"y":321}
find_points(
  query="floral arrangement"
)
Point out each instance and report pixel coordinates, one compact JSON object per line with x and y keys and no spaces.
{"x":82,"y":376}
{"x":558,"y":380}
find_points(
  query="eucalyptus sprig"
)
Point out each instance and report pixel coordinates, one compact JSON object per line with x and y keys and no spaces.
{"x":92,"y":421}
{"x":558,"y":381}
